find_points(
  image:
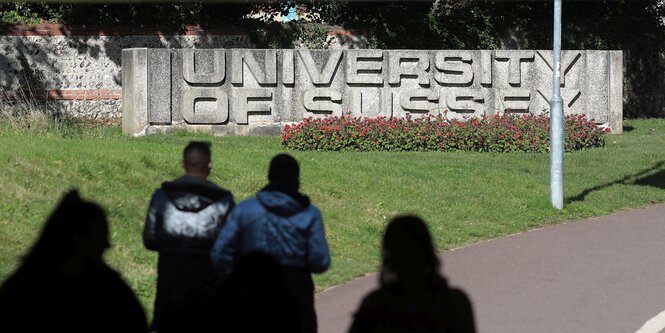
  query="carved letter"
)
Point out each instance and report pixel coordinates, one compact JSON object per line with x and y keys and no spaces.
{"x":323,"y":101}
{"x":364,"y":67}
{"x":569,"y":97}
{"x":192,"y":63}
{"x":418,"y":100}
{"x":371,"y":102}
{"x":241,"y":56}
{"x":261,"y":102}
{"x":515,"y":59}
{"x":463,"y":100}
{"x":324,"y":77}
{"x":288,"y":67}
{"x":513,"y":100}
{"x":568,"y":60}
{"x":453,"y":68}
{"x":486,"y":67}
{"x":205,"y":106}
{"x":411,"y":64}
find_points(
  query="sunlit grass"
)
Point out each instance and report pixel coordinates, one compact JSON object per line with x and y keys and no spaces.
{"x":465,"y":197}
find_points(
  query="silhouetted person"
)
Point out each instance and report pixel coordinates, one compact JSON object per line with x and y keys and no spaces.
{"x":256,"y":298}
{"x":63,"y":284}
{"x":412,"y":296}
{"x":183,"y":220}
{"x":280,"y":222}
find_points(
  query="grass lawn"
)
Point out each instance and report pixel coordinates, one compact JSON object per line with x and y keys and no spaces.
{"x":465,"y":197}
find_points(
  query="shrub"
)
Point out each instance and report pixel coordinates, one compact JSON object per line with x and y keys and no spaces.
{"x":500,"y":133}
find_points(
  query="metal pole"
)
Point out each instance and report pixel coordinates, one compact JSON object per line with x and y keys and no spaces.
{"x":556,"y":117}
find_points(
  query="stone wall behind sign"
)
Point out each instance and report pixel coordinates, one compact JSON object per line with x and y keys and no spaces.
{"x":249,"y":91}
{"x":78,"y":69}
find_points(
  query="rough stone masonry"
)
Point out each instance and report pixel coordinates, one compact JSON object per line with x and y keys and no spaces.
{"x":249,"y":91}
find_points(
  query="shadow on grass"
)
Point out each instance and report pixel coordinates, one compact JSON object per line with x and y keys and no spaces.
{"x":652,"y":176}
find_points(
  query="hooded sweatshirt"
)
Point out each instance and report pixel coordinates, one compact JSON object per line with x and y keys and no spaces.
{"x":185,"y":216}
{"x":285,"y":225}
{"x":278,"y":222}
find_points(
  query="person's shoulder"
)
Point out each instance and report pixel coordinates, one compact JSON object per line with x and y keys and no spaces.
{"x":159,"y":190}
{"x":378,"y":299}
{"x":458,"y":296}
{"x":247,"y":204}
{"x":158,"y":195}
{"x":313,"y":210}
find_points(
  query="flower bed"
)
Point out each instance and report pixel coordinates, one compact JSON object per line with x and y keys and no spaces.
{"x":500,"y":133}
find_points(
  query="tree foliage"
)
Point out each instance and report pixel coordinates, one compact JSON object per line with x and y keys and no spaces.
{"x":634,"y":26}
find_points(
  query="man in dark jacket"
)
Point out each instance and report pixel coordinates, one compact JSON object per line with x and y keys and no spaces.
{"x":282,"y":223}
{"x":183,"y":220}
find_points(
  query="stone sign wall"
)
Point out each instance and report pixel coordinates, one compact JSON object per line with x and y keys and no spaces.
{"x":249,"y":91}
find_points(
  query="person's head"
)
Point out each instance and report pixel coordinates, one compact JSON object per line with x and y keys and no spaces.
{"x":284,"y":171}
{"x":75,"y":229}
{"x":196,"y":159}
{"x":408,"y":252}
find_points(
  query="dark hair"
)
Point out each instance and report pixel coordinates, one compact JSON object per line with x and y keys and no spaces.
{"x":284,"y":169}
{"x":200,"y":147}
{"x":197,"y":155}
{"x":407,"y":239}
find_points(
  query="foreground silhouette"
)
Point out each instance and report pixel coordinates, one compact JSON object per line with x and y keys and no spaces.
{"x":412,"y":296}
{"x":256,"y":298}
{"x":63,"y":284}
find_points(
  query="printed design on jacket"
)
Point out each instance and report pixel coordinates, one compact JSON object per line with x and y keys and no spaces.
{"x":202,"y":224}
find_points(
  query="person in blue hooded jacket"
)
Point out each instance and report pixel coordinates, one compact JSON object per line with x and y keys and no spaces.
{"x":283,"y":223}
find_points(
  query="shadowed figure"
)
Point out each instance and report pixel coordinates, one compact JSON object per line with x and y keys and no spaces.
{"x":183,"y":220}
{"x":412,"y":296}
{"x":256,"y":298}
{"x":63,"y":283}
{"x":283,"y":223}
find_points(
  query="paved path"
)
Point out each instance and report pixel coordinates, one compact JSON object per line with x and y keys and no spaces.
{"x":604,"y":274}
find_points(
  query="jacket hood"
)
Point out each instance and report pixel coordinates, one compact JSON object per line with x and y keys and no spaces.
{"x":282,"y":201}
{"x":193,"y":194}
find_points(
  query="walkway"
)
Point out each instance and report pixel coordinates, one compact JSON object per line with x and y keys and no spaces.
{"x":604,"y":274}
